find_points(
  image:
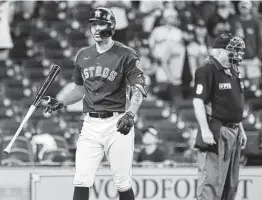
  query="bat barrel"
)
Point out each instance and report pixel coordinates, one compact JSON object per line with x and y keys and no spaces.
{"x":46,"y":85}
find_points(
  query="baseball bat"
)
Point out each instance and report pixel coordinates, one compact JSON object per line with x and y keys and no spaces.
{"x":40,"y":94}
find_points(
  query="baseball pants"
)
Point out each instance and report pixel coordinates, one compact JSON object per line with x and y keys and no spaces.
{"x":218,"y":174}
{"x":99,"y":137}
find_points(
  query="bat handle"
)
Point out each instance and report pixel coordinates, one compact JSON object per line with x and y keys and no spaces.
{"x":28,"y":114}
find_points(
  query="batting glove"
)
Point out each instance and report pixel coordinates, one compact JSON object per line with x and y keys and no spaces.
{"x":52,"y":104}
{"x":125,"y":123}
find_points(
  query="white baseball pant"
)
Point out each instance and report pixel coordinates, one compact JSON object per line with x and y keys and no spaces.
{"x":99,"y":137}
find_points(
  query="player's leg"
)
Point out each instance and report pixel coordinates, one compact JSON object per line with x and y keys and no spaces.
{"x":119,"y":150}
{"x":88,"y":156}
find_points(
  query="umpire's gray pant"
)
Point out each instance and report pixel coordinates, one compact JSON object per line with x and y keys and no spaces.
{"x":218,"y":174}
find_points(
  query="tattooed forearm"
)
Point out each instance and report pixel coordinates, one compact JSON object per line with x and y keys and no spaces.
{"x":136,"y":100}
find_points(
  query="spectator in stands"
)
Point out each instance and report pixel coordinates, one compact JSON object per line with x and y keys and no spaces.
{"x":135,"y":29}
{"x":162,"y":41}
{"x":5,"y":34}
{"x":204,"y":9}
{"x":186,"y":13}
{"x":159,"y":21}
{"x":1,"y":146}
{"x":41,"y":143}
{"x":248,"y":28}
{"x":255,"y":12}
{"x":222,"y":20}
{"x":148,"y":67}
{"x":151,"y":151}
{"x":200,"y":43}
{"x":151,"y":8}
{"x":195,"y":51}
{"x":189,"y":67}
{"x":119,"y":8}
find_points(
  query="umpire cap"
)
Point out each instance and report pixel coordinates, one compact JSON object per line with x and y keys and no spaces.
{"x":222,"y":41}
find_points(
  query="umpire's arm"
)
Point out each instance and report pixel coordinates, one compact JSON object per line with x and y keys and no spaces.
{"x":200,"y":113}
{"x":202,"y":93}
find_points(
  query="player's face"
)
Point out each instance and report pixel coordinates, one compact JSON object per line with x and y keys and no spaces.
{"x":96,"y":27}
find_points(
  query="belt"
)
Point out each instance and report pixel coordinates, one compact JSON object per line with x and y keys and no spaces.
{"x":102,"y":114}
{"x":225,"y":123}
{"x":230,"y":125}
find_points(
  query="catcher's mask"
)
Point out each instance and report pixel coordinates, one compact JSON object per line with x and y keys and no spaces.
{"x":235,"y":49}
{"x":234,"y":45}
{"x":104,"y":15}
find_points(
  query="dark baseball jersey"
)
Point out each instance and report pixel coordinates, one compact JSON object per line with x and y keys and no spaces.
{"x":223,"y":93}
{"x":106,"y":76}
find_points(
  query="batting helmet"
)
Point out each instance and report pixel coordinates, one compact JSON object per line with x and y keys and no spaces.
{"x":233,"y":44}
{"x":104,"y":15}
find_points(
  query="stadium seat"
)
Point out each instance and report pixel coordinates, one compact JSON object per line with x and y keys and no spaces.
{"x":151,"y":115}
{"x":21,"y":154}
{"x":66,"y":64}
{"x":35,"y":74}
{"x":168,"y":131}
{"x":50,"y":126}
{"x":37,"y":115}
{"x":254,"y":143}
{"x":12,"y":162}
{"x":81,"y":12}
{"x":15,"y":93}
{"x":76,"y":35}
{"x":21,"y":143}
{"x":40,"y":35}
{"x":62,"y":27}
{"x":55,"y":54}
{"x":23,"y":29}
{"x":188,"y":115}
{"x":52,"y":44}
{"x":3,"y":71}
{"x":32,"y":63}
{"x":55,"y":6}
{"x":67,"y":74}
{"x":54,"y":89}
{"x":181,"y":103}
{"x":56,"y":156}
{"x":9,"y":126}
{"x":14,"y":89}
{"x":61,"y":142}
{"x":49,"y":16}
{"x":6,"y":113}
{"x":20,"y":51}
{"x":255,"y":104}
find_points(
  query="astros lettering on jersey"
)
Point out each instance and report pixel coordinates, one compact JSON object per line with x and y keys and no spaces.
{"x":103,"y":76}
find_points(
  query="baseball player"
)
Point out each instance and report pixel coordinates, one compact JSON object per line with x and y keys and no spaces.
{"x":219,"y":105}
{"x":103,"y":75}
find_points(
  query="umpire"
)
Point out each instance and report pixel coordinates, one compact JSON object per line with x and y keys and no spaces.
{"x":219,"y":104}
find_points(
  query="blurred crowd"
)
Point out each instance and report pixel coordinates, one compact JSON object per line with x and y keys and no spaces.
{"x":172,"y":38}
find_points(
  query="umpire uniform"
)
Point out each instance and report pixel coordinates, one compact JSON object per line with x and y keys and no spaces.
{"x":221,"y":90}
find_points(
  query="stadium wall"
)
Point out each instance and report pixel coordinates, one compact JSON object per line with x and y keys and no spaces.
{"x":52,"y":183}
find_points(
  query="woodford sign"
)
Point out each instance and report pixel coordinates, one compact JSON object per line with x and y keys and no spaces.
{"x":150,"y":184}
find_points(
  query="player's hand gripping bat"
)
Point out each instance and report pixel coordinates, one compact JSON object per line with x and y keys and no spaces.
{"x":39,"y":96}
